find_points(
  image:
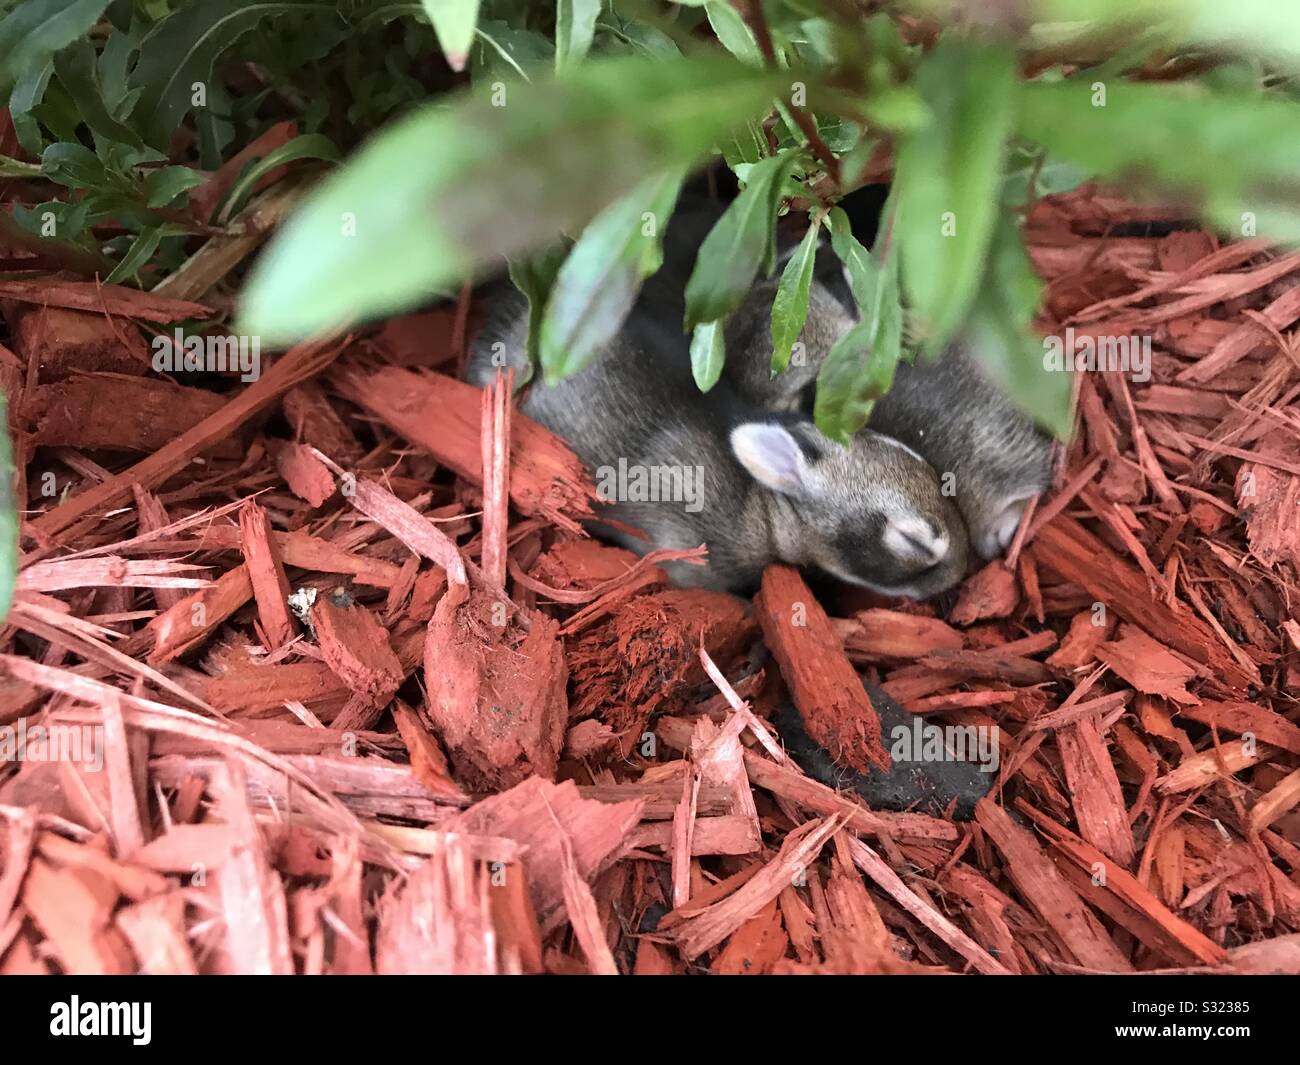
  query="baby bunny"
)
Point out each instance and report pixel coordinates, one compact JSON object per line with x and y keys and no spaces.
{"x":755,"y":486}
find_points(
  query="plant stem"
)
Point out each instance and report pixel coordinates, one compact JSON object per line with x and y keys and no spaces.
{"x":752,"y":12}
{"x":16,"y":168}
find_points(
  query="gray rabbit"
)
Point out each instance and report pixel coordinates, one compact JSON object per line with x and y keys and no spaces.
{"x":989,"y":456}
{"x":755,"y":486}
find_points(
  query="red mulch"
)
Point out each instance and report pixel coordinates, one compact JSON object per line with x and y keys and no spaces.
{"x":480,"y":742}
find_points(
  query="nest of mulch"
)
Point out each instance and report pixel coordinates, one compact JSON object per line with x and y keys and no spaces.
{"x":319,"y":673}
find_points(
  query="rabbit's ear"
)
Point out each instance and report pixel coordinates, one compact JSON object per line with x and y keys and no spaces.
{"x":997,"y":533}
{"x":772,"y":456}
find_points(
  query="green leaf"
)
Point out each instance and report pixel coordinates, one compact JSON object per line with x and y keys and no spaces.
{"x":180,"y":51}
{"x":863,"y":272}
{"x":139,"y":254}
{"x":216,"y":131}
{"x":1030,"y":174}
{"x":1236,"y":156}
{"x":948,"y":177}
{"x":453,"y":187}
{"x":741,"y":242}
{"x":121,"y":208}
{"x":820,"y":39}
{"x":8,"y":516}
{"x":898,"y":108}
{"x":641,"y":35}
{"x":33,"y":31}
{"x":307,"y":146}
{"x":575,"y":28}
{"x":534,"y":276}
{"x":731,"y":30}
{"x":860,"y":366}
{"x":747,"y":146}
{"x":76,"y":167}
{"x":839,"y":134}
{"x":27,"y":95}
{"x":454,"y":22}
{"x":163,"y":186}
{"x":1002,"y":339}
{"x":1260,"y":27}
{"x":75,"y":67}
{"x":69,"y":219}
{"x":858,"y":370}
{"x":504,"y":53}
{"x":114,"y":66}
{"x":57,"y":113}
{"x":599,"y":280}
{"x":790,"y":307}
{"x":708,"y":353}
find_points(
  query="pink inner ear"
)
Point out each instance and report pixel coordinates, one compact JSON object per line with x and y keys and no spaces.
{"x":770,"y":454}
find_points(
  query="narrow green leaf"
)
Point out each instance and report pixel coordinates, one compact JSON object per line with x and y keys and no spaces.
{"x":1259,"y":27}
{"x":948,"y":177}
{"x":1003,"y":340}
{"x":1032,"y":173}
{"x":28,"y":92}
{"x":75,"y":67}
{"x":307,"y":146}
{"x":747,"y":146}
{"x":215,"y":129}
{"x":179,"y":52}
{"x":1236,"y":156}
{"x":453,"y":187}
{"x":575,"y":28}
{"x":640,"y":35}
{"x":708,"y":353}
{"x":506,"y":53}
{"x":863,"y":272}
{"x":163,"y":186}
{"x":34,"y":30}
{"x":899,"y":108}
{"x":790,"y":307}
{"x":114,"y":67}
{"x":860,"y":366}
{"x":731,"y":30}
{"x":839,"y":134}
{"x":856,"y":373}
{"x":139,"y":254}
{"x":534,"y":276}
{"x":454,"y":22}
{"x":599,"y":280}
{"x":54,"y":219}
{"x":741,"y":242}
{"x":76,"y":167}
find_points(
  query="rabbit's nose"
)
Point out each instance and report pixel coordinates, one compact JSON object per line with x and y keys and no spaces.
{"x":916,"y":540}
